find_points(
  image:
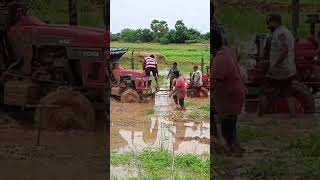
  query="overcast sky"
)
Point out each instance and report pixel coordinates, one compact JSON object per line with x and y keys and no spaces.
{"x":136,"y":14}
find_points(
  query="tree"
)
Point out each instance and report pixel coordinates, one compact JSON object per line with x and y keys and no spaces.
{"x":181,"y":32}
{"x":193,"y":34}
{"x":180,"y":26}
{"x":146,"y":35}
{"x":115,"y":37}
{"x":129,"y":35}
{"x":160,"y":28}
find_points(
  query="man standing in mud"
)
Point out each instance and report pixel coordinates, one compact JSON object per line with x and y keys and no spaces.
{"x":179,"y":91}
{"x":171,"y":73}
{"x":228,"y":91}
{"x":197,"y":79}
{"x":282,"y":66}
{"x":150,"y":64}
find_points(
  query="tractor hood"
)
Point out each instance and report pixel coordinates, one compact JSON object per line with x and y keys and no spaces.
{"x":129,"y":72}
{"x":117,"y":53}
{"x":66,"y":35}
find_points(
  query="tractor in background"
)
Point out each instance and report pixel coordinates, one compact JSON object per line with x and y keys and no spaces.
{"x":203,"y":92}
{"x":59,"y":72}
{"x":130,"y":85}
{"x":307,"y":80}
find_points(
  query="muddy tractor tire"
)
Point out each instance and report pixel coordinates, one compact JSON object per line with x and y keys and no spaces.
{"x":304,"y":96}
{"x":304,"y":100}
{"x":69,"y":110}
{"x":130,"y":96}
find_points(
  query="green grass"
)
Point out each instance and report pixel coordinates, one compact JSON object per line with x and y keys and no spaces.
{"x":149,"y":111}
{"x":172,"y":52}
{"x":180,"y":53}
{"x":242,"y":24}
{"x":56,"y":12}
{"x":200,"y":108}
{"x":161,"y":164}
{"x":247,"y":134}
{"x":300,"y":158}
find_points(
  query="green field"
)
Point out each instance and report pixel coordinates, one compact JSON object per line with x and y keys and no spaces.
{"x":242,"y":23}
{"x":56,"y":12}
{"x":181,"y":53}
{"x":161,"y":164}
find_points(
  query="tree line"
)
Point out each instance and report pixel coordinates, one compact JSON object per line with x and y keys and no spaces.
{"x":160,"y":32}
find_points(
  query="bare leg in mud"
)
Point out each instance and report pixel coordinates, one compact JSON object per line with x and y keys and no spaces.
{"x":175,"y":99}
{"x":181,"y":103}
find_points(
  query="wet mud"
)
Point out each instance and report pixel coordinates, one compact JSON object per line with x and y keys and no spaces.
{"x":132,"y":130}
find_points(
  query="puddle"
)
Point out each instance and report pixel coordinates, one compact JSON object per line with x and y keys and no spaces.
{"x":132,"y":130}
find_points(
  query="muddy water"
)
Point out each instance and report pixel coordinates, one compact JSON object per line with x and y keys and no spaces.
{"x":132,"y":130}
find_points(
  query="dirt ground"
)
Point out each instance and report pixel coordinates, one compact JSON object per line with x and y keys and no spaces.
{"x":262,"y":137}
{"x":60,"y":155}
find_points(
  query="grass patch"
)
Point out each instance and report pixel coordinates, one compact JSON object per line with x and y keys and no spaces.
{"x":247,"y":134}
{"x":300,"y":158}
{"x":200,"y":108}
{"x":149,"y":111}
{"x":161,"y":164}
{"x":268,"y":168}
{"x":56,"y":12}
{"x":173,"y":52}
{"x":122,"y":159}
{"x":242,"y":24}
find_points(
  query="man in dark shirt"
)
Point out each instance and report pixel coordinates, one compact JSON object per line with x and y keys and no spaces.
{"x":171,"y":73}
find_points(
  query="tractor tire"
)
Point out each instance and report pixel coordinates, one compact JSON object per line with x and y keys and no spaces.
{"x":73,"y":111}
{"x":130,"y":96}
{"x":303,"y":94}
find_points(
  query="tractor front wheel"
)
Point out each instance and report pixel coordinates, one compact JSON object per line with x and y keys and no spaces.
{"x":66,"y":109}
{"x":130,"y":96}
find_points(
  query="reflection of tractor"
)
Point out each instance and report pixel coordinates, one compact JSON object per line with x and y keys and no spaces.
{"x":307,"y":80}
{"x":129,"y":84}
{"x":57,"y":69}
{"x":204,"y":90}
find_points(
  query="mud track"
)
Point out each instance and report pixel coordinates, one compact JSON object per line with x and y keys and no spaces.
{"x":60,"y":155}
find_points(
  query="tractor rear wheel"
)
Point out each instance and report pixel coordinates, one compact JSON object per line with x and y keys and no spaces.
{"x":304,"y":100}
{"x":304,"y":96}
{"x":72,"y":111}
{"x":130,"y":96}
{"x":204,"y":92}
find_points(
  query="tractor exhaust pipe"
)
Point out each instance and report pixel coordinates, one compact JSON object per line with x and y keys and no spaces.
{"x":73,"y":12}
{"x":132,"y":60}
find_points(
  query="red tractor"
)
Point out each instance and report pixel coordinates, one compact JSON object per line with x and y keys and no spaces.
{"x":60,"y":70}
{"x":307,"y":79}
{"x":129,"y":84}
{"x":202,"y":92}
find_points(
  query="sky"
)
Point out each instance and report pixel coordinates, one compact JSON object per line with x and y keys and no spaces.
{"x":136,"y":14}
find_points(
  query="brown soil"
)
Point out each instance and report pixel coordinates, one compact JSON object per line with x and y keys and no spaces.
{"x":60,"y":155}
